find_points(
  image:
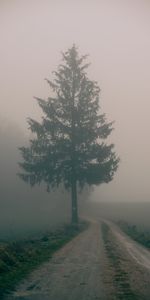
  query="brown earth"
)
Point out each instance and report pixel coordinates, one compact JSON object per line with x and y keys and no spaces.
{"x":97,"y":264}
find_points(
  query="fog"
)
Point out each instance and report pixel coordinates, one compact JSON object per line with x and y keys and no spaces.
{"x":23,"y":209}
{"x":26,"y":210}
{"x":115,"y":33}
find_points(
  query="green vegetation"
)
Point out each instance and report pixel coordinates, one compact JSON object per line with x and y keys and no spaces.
{"x":121,"y":283}
{"x":68,"y":146}
{"x":139,"y":235}
{"x":19,"y":258}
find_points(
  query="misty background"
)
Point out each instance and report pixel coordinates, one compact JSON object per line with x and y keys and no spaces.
{"x":115,"y":34}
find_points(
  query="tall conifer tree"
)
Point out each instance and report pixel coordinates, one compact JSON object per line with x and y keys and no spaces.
{"x":68,"y":146}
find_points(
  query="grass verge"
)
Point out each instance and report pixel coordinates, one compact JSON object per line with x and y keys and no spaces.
{"x":19,"y":258}
{"x":137,"y":234}
{"x":120,"y":281}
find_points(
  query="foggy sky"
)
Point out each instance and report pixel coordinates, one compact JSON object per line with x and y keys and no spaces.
{"x":116,"y":36}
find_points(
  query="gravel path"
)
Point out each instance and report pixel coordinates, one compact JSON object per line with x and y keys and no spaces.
{"x":75,"y":272}
{"x":97,"y":264}
{"x":130,"y":264}
{"x":138,"y":253}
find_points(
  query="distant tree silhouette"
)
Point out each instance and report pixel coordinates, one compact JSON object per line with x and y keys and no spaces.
{"x":68,"y":144}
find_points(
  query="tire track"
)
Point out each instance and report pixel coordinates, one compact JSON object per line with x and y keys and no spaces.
{"x":131,"y":278}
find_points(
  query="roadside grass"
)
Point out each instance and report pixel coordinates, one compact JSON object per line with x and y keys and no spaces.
{"x":19,"y":258}
{"x":123,"y":289}
{"x":139,"y":235}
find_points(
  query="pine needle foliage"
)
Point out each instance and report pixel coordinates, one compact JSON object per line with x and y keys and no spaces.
{"x":69,"y":145}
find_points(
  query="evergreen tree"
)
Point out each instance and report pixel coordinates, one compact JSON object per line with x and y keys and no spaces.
{"x":68,"y":144}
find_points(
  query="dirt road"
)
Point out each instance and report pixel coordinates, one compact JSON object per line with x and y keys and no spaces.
{"x":75,"y":272}
{"x":138,"y":253}
{"x":129,"y":263}
{"x":100,"y":263}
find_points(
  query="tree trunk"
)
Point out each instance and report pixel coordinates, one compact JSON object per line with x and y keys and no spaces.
{"x":73,"y":158}
{"x":74,"y":201}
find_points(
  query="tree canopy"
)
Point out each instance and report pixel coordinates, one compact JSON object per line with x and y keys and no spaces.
{"x":69,"y":144}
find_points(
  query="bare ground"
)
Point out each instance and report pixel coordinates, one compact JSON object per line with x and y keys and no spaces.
{"x":75,"y":272}
{"x":94,"y":265}
{"x":131,"y":271}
